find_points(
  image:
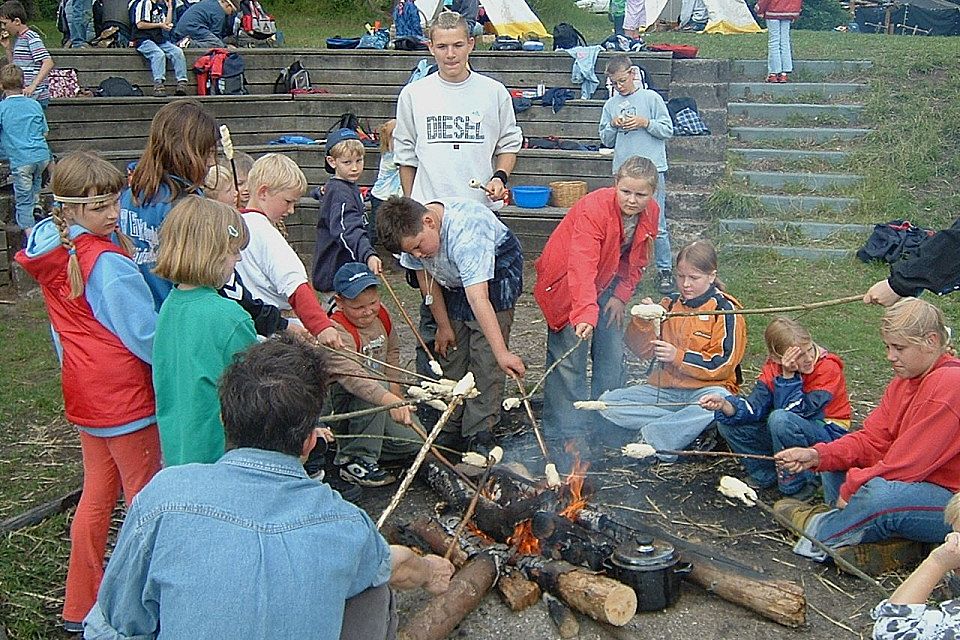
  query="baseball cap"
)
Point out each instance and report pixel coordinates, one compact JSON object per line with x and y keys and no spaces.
{"x":333,"y":139}
{"x":352,"y":279}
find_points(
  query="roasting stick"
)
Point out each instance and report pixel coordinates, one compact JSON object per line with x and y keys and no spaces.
{"x":601,"y":405}
{"x":495,"y":456}
{"x":476,"y":184}
{"x":434,"y":365}
{"x":460,"y":391}
{"x":227,"y":143}
{"x":336,"y":417}
{"x":799,"y":307}
{"x":641,"y":450}
{"x":566,"y":354}
{"x":363,"y":360}
{"x":442,"y":458}
{"x":549,"y":469}
{"x":378,"y":378}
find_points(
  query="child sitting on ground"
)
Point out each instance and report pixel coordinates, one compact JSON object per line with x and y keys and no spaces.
{"x":635,"y":122}
{"x":152,"y":31}
{"x":388,"y":177}
{"x":342,"y":224}
{"x":270,"y":268}
{"x":23,"y":130}
{"x":800,"y":399}
{"x":198,"y":331}
{"x":470,"y":269}
{"x":366,"y":327}
{"x":25,"y":49}
{"x":905,"y":614}
{"x":219,"y":185}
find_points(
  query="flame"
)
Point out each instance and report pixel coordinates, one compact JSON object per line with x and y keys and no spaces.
{"x":480,"y":533}
{"x":523,"y":539}
{"x":573,"y":486}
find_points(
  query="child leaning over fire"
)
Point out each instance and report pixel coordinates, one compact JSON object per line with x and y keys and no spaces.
{"x":800,"y":399}
{"x":470,"y":269}
{"x":270,"y":268}
{"x":342,"y":224}
{"x":103,"y":320}
{"x":696,"y":355}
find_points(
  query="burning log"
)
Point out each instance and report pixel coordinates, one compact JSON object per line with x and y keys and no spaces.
{"x":562,"y":539}
{"x":518,"y":592}
{"x":566,"y":622}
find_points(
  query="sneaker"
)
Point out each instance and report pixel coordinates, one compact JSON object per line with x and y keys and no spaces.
{"x":782,"y":78}
{"x":181,"y":88}
{"x":665,"y":283}
{"x":159,"y":90}
{"x":772,"y":78}
{"x":365,"y":473}
{"x":798,"y":513}
{"x":877,"y":558}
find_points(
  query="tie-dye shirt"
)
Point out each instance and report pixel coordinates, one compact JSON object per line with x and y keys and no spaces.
{"x":916,"y":621}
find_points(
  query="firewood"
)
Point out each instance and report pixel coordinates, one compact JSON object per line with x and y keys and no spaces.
{"x":41,"y":512}
{"x":518,"y":592}
{"x":566,"y":622}
{"x":445,"y":611}
{"x":599,"y":597}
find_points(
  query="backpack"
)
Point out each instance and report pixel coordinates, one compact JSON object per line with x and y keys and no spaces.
{"x":383,"y":314}
{"x":410,"y":43}
{"x":63,"y":83}
{"x":379,"y":39}
{"x":893,"y":241}
{"x":255,"y":21}
{"x":686,"y":118}
{"x":293,"y":77}
{"x":506,"y":43}
{"x":406,"y":20}
{"x":350,"y":121}
{"x":116,"y":87}
{"x":220,"y":73}
{"x":566,"y":36}
{"x":423,"y":69}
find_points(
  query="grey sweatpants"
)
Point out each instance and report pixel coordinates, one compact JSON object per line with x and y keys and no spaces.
{"x":370,"y":615}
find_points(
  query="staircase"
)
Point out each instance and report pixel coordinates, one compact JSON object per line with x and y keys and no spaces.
{"x":792,"y":177}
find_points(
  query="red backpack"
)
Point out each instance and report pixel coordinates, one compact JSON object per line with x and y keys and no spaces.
{"x":220,"y":72}
{"x":383,"y":314}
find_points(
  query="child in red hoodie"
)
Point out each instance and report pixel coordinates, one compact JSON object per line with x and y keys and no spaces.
{"x":779,"y":14}
{"x":800,"y":399}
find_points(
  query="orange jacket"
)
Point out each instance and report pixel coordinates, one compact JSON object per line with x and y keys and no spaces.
{"x":709,"y":347}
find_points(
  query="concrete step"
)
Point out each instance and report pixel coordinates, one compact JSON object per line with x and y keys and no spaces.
{"x":774,"y":112}
{"x":791,"y":155}
{"x":792,"y":204}
{"x":805,"y":134}
{"x":809,"y":181}
{"x":707,"y":96}
{"x":754,"y":70}
{"x":757,"y":90}
{"x":699,"y":70}
{"x":812,"y":230}
{"x":802,"y":253}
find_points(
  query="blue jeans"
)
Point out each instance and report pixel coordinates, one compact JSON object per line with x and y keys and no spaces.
{"x":779,"y":54}
{"x":80,"y":19}
{"x":881,"y":509}
{"x":661,"y":246}
{"x":26,"y":191}
{"x":155,"y":54}
{"x":781,"y":430}
{"x":206,"y":42}
{"x":568,"y":382}
{"x":661,"y":427}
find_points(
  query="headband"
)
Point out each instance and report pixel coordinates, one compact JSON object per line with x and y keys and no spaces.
{"x":85,"y":199}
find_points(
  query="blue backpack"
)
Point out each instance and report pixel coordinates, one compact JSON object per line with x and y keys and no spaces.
{"x":406,"y":20}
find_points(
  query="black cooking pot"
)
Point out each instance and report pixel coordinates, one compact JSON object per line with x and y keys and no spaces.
{"x":652,"y":569}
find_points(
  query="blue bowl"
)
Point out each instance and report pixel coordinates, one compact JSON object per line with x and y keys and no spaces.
{"x":530,"y":197}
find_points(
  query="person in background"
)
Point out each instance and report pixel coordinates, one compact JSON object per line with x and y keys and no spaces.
{"x":25,"y":49}
{"x":205,"y":23}
{"x":152,"y":27}
{"x":388,"y":177}
{"x":779,"y":15}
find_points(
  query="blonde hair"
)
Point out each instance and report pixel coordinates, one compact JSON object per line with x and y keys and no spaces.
{"x":638,"y":168}
{"x":449,"y":20}
{"x":197,"y":236}
{"x":219,"y":177}
{"x":386,"y":134}
{"x":11,"y":78}
{"x":78,"y":175}
{"x":783,"y":333}
{"x":345,"y":148}
{"x":951,"y":512}
{"x":913,"y":320}
{"x":702,"y":256}
{"x":276,"y":172}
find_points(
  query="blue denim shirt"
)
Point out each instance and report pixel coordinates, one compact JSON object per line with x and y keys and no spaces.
{"x":248,"y":547}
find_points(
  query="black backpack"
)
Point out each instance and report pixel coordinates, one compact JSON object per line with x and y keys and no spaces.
{"x":293,"y":77}
{"x":566,"y":36}
{"x":116,"y":87}
{"x":506,"y":43}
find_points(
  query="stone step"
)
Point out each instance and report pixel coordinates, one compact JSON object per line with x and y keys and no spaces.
{"x":773,"y":112}
{"x":697,"y":70}
{"x":756,"y":90}
{"x":792,"y":204}
{"x":805,"y":134}
{"x":810,"y":181}
{"x":754,"y":70}
{"x":791,"y":155}
{"x":803,"y":253}
{"x":812,"y":230}
{"x":707,"y":96}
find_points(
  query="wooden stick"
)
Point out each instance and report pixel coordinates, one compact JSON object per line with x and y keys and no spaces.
{"x":841,"y":562}
{"x":476,"y":184}
{"x":798,"y":307}
{"x":40,"y":512}
{"x":468,"y":514}
{"x":421,"y":455}
{"x":406,"y":317}
{"x":716,"y":454}
{"x":443,"y":459}
{"x":552,"y":478}
{"x":363,"y":360}
{"x":378,"y":378}
{"x":336,"y":417}
{"x":550,"y":369}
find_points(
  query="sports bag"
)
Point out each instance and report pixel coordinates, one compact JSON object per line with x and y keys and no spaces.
{"x":379,"y":39}
{"x":255,"y":21}
{"x":116,"y":87}
{"x":294,"y":77}
{"x":566,"y":36}
{"x":63,"y":83}
{"x":220,"y":72}
{"x":678,"y":50}
{"x":506,"y":43}
{"x":338,"y":42}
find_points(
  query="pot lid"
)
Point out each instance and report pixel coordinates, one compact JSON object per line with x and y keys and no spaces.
{"x":644,"y":552}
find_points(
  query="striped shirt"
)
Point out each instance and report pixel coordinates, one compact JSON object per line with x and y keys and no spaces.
{"x":28,"y":54}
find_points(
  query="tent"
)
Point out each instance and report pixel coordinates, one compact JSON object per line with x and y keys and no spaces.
{"x":508,"y":17}
{"x":913,"y":17}
{"x":724,"y":16}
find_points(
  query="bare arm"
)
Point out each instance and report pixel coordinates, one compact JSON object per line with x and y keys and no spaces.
{"x":444,"y":337}
{"x":410,"y":571}
{"x":920,"y":584}
{"x":407,"y":176}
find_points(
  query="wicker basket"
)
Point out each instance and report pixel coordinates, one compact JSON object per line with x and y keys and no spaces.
{"x":567,"y":192}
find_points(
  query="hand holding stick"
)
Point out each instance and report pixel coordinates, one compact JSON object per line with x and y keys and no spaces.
{"x":476,"y":184}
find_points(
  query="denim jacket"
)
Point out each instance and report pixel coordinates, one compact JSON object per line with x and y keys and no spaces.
{"x":248,"y":547}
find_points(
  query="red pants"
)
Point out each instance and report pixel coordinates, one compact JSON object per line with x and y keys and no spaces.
{"x":127,"y":461}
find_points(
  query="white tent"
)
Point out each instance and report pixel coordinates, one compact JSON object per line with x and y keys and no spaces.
{"x":509,"y":17}
{"x":725,"y":16}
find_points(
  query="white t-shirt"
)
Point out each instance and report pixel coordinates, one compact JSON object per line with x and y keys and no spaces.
{"x":451,"y":132}
{"x":269,"y":266}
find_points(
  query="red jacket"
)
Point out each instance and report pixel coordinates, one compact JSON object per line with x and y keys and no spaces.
{"x":104,"y":384}
{"x":583,"y":254}
{"x":824,"y":390}
{"x":912,"y":436}
{"x":779,"y":9}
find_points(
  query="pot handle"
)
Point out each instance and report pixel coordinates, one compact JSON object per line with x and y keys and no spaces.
{"x":683,"y":568}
